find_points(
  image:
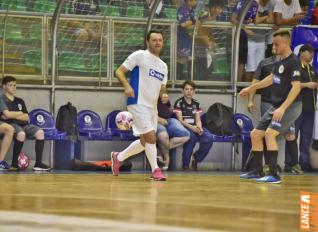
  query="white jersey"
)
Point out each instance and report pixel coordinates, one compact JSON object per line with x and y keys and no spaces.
{"x":148,"y":73}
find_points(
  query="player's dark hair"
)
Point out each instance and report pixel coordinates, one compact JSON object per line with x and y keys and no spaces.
{"x":153,"y":31}
{"x":187,"y":82}
{"x":8,"y":79}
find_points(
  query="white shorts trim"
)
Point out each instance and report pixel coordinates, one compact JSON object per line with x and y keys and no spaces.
{"x":145,"y":119}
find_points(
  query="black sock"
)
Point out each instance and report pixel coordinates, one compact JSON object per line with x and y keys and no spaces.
{"x":39,"y":145}
{"x":258,"y":161}
{"x":265,"y":153}
{"x":292,"y":147}
{"x":17,"y":147}
{"x":272,"y":159}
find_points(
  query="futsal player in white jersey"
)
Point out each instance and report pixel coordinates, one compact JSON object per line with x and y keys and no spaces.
{"x":148,"y":78}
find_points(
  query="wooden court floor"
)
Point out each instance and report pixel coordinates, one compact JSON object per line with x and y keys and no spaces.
{"x":202,"y":201}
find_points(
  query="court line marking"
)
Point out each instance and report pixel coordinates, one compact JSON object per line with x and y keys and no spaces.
{"x":12,"y":221}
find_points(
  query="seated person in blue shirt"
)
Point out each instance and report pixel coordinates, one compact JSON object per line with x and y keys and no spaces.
{"x":188,"y":112}
{"x":170,"y":132}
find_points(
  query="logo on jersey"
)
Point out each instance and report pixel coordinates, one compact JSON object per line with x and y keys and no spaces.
{"x":20,"y":107}
{"x":276,"y":79}
{"x":155,"y":74}
{"x":281,"y":68}
{"x":296,"y":73}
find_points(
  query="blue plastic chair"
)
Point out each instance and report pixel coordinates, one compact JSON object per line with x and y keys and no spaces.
{"x":44,"y":120}
{"x":245,"y":124}
{"x":90,"y":126}
{"x":117,"y":133}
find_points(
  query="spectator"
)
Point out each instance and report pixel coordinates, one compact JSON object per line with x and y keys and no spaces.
{"x":307,"y":8}
{"x":287,"y":12}
{"x":265,"y":15}
{"x":20,"y":122}
{"x":205,"y":42}
{"x":227,"y":12}
{"x":85,"y":31}
{"x":170,"y":132}
{"x":188,"y":112}
{"x":186,"y":19}
{"x":249,"y":41}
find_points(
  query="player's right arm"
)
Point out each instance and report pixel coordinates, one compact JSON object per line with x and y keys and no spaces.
{"x":121,"y":76}
{"x":267,"y":81}
{"x":6,"y":114}
{"x":250,"y":103}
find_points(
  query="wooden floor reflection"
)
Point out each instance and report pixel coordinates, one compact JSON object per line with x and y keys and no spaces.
{"x":209,"y":201}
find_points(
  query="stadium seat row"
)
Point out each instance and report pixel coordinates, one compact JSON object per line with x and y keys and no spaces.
{"x":90,"y":126}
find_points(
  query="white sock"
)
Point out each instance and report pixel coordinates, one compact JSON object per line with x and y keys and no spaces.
{"x":134,"y":148}
{"x":151,"y":153}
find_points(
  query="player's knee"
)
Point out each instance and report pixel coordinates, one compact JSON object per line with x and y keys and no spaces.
{"x":39,"y":135}
{"x":163,"y":136}
{"x":290,"y":136}
{"x":269,"y":135}
{"x":8,"y":129}
{"x":256,"y":134}
{"x":151,"y":138}
{"x":20,"y":136}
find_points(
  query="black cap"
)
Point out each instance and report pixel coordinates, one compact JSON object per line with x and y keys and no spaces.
{"x":306,"y":47}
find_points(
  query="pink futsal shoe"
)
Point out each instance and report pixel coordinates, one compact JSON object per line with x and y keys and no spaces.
{"x":157,"y":175}
{"x":115,"y":163}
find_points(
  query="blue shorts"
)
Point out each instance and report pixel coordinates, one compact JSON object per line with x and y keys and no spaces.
{"x":174,"y":128}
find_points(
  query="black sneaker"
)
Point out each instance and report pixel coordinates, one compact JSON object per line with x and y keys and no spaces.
{"x":41,"y":167}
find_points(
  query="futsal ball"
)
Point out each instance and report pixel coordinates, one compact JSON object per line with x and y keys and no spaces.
{"x":124,"y":120}
{"x":23,"y":161}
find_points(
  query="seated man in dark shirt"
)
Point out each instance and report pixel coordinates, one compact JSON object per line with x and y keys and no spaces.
{"x":170,"y":132}
{"x":188,"y":112}
{"x":21,"y":125}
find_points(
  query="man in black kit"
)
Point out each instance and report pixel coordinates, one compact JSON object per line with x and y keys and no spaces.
{"x":285,"y":81}
{"x":21,"y":125}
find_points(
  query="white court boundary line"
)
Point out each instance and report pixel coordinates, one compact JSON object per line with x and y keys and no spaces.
{"x":13,"y":221}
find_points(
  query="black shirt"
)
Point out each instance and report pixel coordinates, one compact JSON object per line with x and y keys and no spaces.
{"x":188,"y":110}
{"x":308,"y":96}
{"x":164,"y":110}
{"x":16,"y":105}
{"x":265,"y":68}
{"x":285,"y":72}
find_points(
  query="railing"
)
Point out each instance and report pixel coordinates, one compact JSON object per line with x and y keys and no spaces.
{"x":90,"y":48}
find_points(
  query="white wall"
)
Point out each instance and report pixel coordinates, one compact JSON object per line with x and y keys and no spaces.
{"x":104,"y":101}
